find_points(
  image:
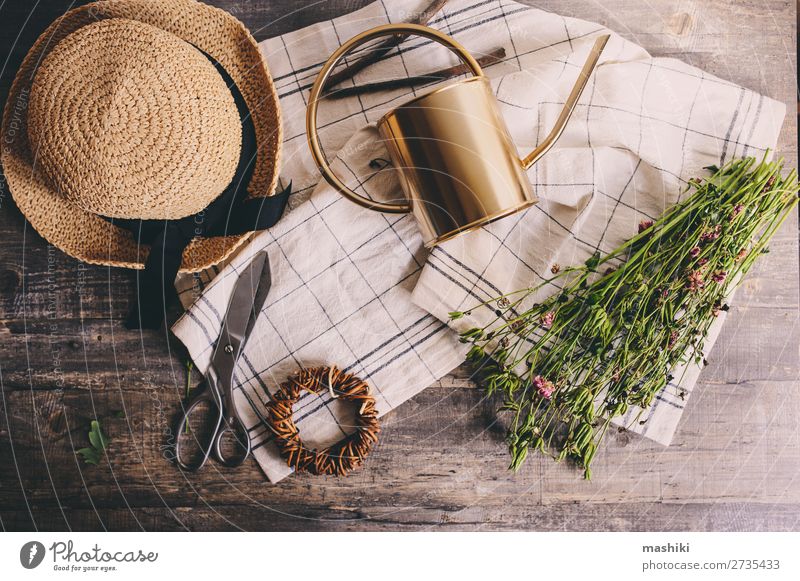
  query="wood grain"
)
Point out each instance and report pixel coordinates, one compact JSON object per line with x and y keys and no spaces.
{"x":441,"y":463}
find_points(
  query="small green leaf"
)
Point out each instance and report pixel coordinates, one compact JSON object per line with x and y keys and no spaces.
{"x":594,"y":298}
{"x":594,"y":260}
{"x":518,"y":456}
{"x":90,"y":455}
{"x":96,"y":436}
{"x":99,"y":442}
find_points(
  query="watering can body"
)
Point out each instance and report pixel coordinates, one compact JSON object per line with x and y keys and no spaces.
{"x":456,"y":161}
{"x":457,"y":165}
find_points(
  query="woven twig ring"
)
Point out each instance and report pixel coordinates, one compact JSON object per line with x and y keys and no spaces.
{"x":342,"y":457}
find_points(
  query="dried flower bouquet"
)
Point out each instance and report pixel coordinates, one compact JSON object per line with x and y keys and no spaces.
{"x":611,"y":330}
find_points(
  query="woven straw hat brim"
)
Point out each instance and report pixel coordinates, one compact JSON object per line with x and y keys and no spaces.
{"x":87,"y":236}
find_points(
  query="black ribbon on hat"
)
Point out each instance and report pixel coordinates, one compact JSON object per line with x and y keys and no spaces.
{"x":229,"y":214}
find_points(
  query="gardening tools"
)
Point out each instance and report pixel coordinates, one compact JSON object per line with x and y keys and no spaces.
{"x":210,"y":424}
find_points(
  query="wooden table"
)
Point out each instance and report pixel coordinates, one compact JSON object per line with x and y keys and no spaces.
{"x":65,"y":359}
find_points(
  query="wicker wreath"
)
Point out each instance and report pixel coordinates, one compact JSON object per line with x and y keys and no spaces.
{"x":345,"y":455}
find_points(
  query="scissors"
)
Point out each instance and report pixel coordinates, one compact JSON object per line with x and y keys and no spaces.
{"x":213,"y":403}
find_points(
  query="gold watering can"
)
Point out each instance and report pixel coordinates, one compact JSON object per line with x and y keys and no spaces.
{"x":458,"y":167}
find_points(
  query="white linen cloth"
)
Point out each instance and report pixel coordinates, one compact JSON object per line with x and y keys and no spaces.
{"x":356,"y":288}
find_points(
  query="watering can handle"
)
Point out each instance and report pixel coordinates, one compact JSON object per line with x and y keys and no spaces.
{"x":319,"y":86}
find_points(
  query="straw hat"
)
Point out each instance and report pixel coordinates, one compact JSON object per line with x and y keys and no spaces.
{"x":117,"y":112}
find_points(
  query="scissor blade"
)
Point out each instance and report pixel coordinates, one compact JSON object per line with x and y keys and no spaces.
{"x":247,"y":299}
{"x":264,"y":286}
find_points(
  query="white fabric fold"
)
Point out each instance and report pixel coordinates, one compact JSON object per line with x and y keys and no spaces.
{"x":356,"y":288}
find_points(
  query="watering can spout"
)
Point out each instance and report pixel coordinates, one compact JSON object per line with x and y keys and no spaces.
{"x":569,"y":106}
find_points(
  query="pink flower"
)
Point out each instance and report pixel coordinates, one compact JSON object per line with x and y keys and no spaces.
{"x":702,"y":262}
{"x":673,"y":338}
{"x":719,"y":276}
{"x":742,"y":254}
{"x":696,"y":282}
{"x":547,"y":319}
{"x":644,"y":225}
{"x":695,"y":251}
{"x":544,"y":387}
{"x":712,"y":234}
{"x":737,"y":209}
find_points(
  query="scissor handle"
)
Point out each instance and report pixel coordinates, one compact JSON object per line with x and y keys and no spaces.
{"x":205,"y":395}
{"x":232,"y":427}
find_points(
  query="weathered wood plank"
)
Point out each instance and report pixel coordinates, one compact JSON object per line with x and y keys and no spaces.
{"x":82,"y":354}
{"x":718,"y":516}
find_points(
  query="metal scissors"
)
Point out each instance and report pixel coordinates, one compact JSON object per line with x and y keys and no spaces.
{"x":213,"y":405}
